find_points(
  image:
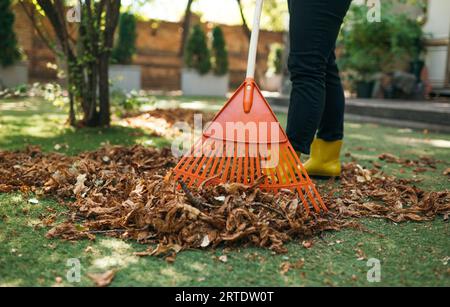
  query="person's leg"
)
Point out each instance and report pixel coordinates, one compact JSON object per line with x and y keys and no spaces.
{"x":331,"y":126}
{"x":326,"y":148}
{"x":314,"y":27}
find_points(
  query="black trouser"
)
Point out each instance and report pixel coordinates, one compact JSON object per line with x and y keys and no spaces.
{"x":317,"y":98}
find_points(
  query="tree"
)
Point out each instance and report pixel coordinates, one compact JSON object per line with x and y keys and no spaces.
{"x":86,"y":53}
{"x":186,"y":27}
{"x":219,"y":52}
{"x":197,"y":55}
{"x":275,"y":60}
{"x":126,"y":44}
{"x":245,"y":27}
{"x":9,"y":52}
{"x":275,"y":15}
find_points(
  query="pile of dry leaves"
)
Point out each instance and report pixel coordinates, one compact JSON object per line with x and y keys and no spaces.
{"x":163,"y":122}
{"x":126,"y":193}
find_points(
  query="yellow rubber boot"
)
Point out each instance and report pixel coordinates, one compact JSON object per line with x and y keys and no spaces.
{"x":325,"y":159}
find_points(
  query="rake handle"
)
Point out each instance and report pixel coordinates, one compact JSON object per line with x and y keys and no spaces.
{"x":253,"y":50}
{"x":252,"y":53}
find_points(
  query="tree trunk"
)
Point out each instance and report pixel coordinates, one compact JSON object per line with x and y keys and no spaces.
{"x":72,"y":117}
{"x":72,"y":95}
{"x":112,"y":17}
{"x":245,"y":27}
{"x":105,"y":113}
{"x":186,"y":27}
{"x":88,"y":35}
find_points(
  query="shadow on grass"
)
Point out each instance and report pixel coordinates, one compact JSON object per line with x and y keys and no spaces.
{"x":73,"y":142}
{"x":36,"y":122}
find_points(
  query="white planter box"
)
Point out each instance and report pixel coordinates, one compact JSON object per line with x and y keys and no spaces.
{"x":14,"y":75}
{"x":194,"y":84}
{"x":438,"y":25}
{"x":272,"y":83}
{"x":125,"y":78}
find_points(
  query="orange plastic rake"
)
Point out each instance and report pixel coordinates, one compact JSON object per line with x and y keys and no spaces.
{"x":246,"y":144}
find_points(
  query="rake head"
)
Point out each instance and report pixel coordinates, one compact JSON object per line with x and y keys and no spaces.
{"x":248,"y":146}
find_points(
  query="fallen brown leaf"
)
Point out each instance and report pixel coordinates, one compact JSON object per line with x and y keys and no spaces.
{"x":4,"y":188}
{"x":284,"y":268}
{"x":102,"y":279}
{"x":307,"y":244}
{"x":223,"y":258}
{"x":79,"y":187}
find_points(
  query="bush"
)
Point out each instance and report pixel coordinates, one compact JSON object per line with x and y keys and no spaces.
{"x":126,"y":45}
{"x":9,"y":51}
{"x":197,"y":55}
{"x":275,"y":60}
{"x":219,"y":52}
{"x":130,"y":104}
{"x":381,"y":46}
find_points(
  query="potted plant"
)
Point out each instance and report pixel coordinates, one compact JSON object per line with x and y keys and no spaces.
{"x":274,"y":75}
{"x":411,"y":39}
{"x":13,"y":72}
{"x":125,"y":76}
{"x":204,"y":75}
{"x":363,"y":45}
{"x":395,"y":44}
{"x":220,"y":55}
{"x":360,"y":72}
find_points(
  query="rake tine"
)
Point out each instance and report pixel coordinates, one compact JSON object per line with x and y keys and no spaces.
{"x":246,"y":178}
{"x":258,"y":168}
{"x":233,"y":175}
{"x":322,"y":204}
{"x":292,"y":175}
{"x":239,"y":170}
{"x":304,"y":201}
{"x":212,"y":158}
{"x":308,"y":192}
{"x":227,"y":167}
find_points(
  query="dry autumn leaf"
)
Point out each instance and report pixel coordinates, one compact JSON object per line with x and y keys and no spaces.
{"x":205,"y":241}
{"x":4,"y":188}
{"x":284,"y":268}
{"x":223,"y":258}
{"x":307,"y":244}
{"x":33,"y":201}
{"x":79,"y":187}
{"x":102,"y":279}
{"x":360,"y":254}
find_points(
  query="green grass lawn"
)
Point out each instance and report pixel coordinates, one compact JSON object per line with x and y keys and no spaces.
{"x":411,"y":254}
